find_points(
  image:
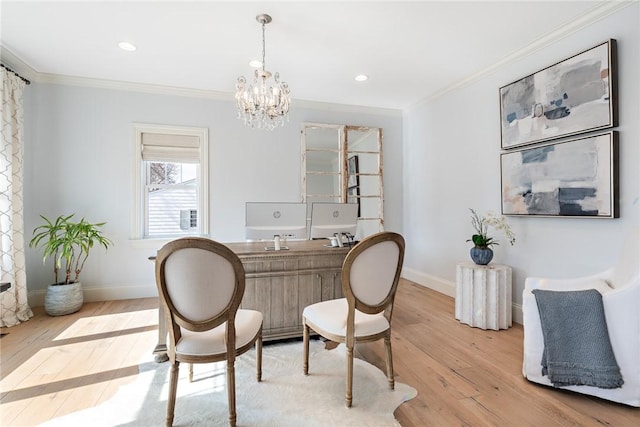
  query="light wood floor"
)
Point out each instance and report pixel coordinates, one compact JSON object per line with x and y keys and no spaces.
{"x":51,"y":366}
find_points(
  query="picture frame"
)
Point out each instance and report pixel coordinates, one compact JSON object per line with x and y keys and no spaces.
{"x":572,"y":178}
{"x":353,"y":196}
{"x":573,"y":96}
{"x":352,"y":172}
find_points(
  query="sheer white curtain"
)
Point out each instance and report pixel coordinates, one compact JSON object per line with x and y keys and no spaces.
{"x":13,"y":302}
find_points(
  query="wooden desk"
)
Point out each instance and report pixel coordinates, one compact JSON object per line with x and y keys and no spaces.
{"x":281,"y":284}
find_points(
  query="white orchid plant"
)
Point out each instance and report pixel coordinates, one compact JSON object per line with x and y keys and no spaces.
{"x":481,"y":225}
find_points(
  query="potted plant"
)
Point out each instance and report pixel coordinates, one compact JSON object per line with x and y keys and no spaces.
{"x":68,"y":243}
{"x":482,"y":253}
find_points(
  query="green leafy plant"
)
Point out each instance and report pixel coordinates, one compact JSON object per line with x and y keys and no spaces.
{"x":481,"y":225}
{"x":68,"y":241}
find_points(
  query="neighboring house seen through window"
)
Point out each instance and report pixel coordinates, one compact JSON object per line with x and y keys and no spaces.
{"x":171,"y":190}
{"x":171,"y":199}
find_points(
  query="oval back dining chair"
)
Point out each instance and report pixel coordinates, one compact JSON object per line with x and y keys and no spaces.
{"x":201,"y":283}
{"x":370,"y":275}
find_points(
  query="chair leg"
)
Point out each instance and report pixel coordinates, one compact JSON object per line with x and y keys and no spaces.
{"x":305,"y":346}
{"x":190,"y":372}
{"x":231,"y":390}
{"x":349,"y":397}
{"x":259,"y":357}
{"x":173,"y":386}
{"x":387,"y":345}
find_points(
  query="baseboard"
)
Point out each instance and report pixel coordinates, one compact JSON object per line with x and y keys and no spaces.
{"x":428,"y":281}
{"x":448,"y":288}
{"x":517,"y":313}
{"x":36,"y":298}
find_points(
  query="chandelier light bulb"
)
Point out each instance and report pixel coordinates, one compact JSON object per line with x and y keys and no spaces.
{"x":263,"y":104}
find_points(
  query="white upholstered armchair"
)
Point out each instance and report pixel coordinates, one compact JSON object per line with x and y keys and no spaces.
{"x":620,"y":289}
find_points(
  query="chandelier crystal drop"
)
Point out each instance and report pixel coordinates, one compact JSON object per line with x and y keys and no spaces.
{"x":263,"y":104}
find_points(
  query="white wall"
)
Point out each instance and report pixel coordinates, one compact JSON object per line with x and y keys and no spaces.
{"x":452,"y":163}
{"x":78,"y":159}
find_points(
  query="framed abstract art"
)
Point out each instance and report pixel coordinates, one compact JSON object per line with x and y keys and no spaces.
{"x":571,"y":97}
{"x":574,"y":178}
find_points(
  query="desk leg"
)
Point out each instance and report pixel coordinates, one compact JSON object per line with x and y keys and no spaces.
{"x":160,"y":351}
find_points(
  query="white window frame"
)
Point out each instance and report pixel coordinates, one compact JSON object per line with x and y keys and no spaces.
{"x":138,"y":214}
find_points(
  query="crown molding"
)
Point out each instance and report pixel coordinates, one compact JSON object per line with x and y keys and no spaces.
{"x":132,"y":86}
{"x":595,"y":14}
{"x":14,"y":62}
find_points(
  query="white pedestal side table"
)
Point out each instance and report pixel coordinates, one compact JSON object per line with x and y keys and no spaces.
{"x":483,"y":295}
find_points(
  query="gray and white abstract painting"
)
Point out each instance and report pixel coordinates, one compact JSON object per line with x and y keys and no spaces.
{"x":564,"y":99}
{"x":573,"y":178}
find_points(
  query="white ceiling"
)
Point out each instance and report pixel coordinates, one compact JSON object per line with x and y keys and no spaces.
{"x":410,"y":50}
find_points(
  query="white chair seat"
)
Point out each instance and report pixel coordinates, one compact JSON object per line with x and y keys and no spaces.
{"x":248,"y":323}
{"x":331,"y":317}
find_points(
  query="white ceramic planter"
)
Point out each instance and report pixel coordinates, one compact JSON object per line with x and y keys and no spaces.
{"x":63,"y":299}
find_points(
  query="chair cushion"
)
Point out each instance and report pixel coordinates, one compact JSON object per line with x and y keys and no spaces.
{"x":248,"y":323}
{"x":331,"y":317}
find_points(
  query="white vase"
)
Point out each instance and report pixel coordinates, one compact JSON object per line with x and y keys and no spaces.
{"x":62,"y":299}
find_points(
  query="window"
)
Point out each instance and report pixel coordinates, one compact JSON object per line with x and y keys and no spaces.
{"x":171,"y":197}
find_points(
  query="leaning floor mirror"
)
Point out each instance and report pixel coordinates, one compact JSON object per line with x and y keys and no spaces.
{"x":343,"y":164}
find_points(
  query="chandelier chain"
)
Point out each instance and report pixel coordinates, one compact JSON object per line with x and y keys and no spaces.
{"x":263,"y":48}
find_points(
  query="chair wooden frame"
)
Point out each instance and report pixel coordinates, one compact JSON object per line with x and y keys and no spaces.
{"x":385,"y":306}
{"x":177,"y":320}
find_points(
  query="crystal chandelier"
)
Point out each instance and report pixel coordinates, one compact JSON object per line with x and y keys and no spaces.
{"x":263,"y":104}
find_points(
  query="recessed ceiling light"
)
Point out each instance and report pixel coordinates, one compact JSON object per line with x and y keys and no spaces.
{"x":361,"y":77}
{"x":130,"y":47}
{"x":255,"y":63}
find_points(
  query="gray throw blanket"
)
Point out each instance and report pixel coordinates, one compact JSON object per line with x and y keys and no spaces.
{"x":577,"y":349}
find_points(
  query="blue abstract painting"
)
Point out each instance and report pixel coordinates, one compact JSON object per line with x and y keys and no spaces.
{"x":572,"y":178}
{"x":570,"y":97}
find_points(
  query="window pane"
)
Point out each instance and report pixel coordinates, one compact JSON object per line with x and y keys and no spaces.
{"x":369,"y":185}
{"x":367,"y":163}
{"x":189,"y":172}
{"x":323,"y":184}
{"x":156,"y":173}
{"x":359,"y":140}
{"x":323,"y":138}
{"x":172,"y":210}
{"x":323,"y":161}
{"x":370,"y":207}
{"x":171,"y":173}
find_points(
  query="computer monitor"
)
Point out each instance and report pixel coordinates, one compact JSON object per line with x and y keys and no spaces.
{"x":330,"y":218}
{"x":263,"y":220}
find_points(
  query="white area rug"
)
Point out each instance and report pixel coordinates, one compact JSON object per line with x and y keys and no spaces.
{"x":285,"y":397}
